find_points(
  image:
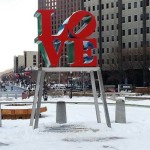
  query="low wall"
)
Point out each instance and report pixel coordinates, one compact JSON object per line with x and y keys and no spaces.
{"x":142,"y":90}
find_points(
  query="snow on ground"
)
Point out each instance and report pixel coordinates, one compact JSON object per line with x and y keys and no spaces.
{"x":81,"y":132}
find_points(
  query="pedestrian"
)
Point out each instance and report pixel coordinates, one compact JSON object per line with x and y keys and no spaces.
{"x":11,"y":88}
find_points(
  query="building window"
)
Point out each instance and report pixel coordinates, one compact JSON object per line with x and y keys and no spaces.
{"x":97,"y":7}
{"x":112,"y":5}
{"x":107,"y":39}
{"x":107,"y":16}
{"x":141,"y":3}
{"x":112,"y":27}
{"x":147,"y":2}
{"x":34,"y":60}
{"x":93,"y":8}
{"x":123,"y":45}
{"x":102,"y":28}
{"x":107,"y":5}
{"x":141,"y":16}
{"x":123,"y":19}
{"x":147,"y":43}
{"x":123,"y":6}
{"x":34,"y":64}
{"x":135,"y":31}
{"x":102,"y":6}
{"x":112,"y":16}
{"x":129,"y":18}
{"x":107,"y":50}
{"x":135,"y":44}
{"x":129,"y":31}
{"x":129,"y":45}
{"x":116,"y":15}
{"x":147,"y":16}
{"x":135,"y":17}
{"x":97,"y":18}
{"x":141,"y":43}
{"x":135,"y":4}
{"x":141,"y":30}
{"x":112,"y":38}
{"x":102,"y":39}
{"x":147,"y":29}
{"x":123,"y":32}
{"x":116,"y":4}
{"x":102,"y":17}
{"x":129,"y":5}
{"x":34,"y":57}
{"x":102,"y":50}
{"x":107,"y":28}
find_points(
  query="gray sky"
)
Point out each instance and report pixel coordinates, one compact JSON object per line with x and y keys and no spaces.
{"x":18,"y":28}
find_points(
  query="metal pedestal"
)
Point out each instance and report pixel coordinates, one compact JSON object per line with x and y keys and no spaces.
{"x":39,"y":89}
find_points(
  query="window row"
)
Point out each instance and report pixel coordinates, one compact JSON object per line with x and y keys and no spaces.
{"x":92,"y":8}
{"x":124,"y":32}
{"x":124,"y":6}
{"x":135,"y":31}
{"x":134,"y":5}
{"x":125,"y":58}
{"x":114,"y":38}
{"x":134,"y":18}
{"x":126,"y":46}
{"x":135,"y":44}
{"x":129,"y":18}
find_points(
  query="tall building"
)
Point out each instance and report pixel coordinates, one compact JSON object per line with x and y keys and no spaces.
{"x":123,"y":32}
{"x":63,"y":9}
{"x":19,"y":63}
{"x":28,"y":60}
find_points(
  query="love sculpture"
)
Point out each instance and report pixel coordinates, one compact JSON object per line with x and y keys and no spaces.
{"x":80,"y":45}
{"x":51,"y":46}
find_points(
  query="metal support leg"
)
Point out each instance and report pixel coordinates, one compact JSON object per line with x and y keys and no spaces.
{"x":95,"y":97}
{"x":37,"y":113}
{"x":35,"y":98}
{"x":0,"y":116}
{"x":103,"y":97}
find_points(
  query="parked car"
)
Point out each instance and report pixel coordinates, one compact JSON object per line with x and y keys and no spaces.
{"x":58,"y":86}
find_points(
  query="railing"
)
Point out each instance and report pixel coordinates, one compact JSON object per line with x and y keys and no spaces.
{"x":7,"y":95}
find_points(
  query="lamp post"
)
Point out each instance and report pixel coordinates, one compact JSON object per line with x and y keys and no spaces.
{"x":59,"y":65}
{"x":149,"y":80}
{"x":71,"y":85}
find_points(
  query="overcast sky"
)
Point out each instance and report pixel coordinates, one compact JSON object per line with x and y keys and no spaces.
{"x":18,"y":28}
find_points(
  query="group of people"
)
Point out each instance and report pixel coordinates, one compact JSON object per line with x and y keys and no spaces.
{"x":3,"y":86}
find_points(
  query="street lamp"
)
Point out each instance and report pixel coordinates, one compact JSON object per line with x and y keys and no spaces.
{"x":59,"y":65}
{"x":70,"y":95}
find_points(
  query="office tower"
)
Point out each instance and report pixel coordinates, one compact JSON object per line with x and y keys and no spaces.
{"x":123,"y":32}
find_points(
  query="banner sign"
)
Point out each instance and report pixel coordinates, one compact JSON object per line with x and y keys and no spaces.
{"x":78,"y":42}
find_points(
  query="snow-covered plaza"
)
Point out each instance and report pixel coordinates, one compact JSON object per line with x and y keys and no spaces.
{"x":81,"y":130}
